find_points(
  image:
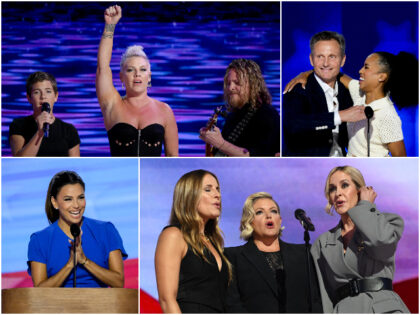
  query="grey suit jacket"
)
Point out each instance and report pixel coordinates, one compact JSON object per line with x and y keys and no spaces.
{"x":370,"y":254}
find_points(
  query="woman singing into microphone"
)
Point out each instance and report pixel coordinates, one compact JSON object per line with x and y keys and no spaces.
{"x":26,"y":134}
{"x":50,"y":255}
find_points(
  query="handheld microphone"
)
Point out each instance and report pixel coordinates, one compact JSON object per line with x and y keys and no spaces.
{"x":46,"y":108}
{"x":304,"y":220}
{"x":75,"y":231}
{"x":369,"y":115}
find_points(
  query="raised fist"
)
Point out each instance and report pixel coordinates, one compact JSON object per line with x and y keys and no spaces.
{"x":113,"y":14}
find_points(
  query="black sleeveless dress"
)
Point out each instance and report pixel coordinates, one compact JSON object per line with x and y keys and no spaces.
{"x":202,"y":287}
{"x":126,"y":140}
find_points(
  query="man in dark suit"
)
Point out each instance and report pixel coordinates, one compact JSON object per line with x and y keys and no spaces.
{"x":314,"y":117}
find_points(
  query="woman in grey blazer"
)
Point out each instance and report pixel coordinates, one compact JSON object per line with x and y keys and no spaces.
{"x":355,"y":260}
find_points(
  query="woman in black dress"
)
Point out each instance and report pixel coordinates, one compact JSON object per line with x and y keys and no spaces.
{"x":269,"y":275}
{"x":192,"y":272}
{"x":26,"y":134}
{"x":137,"y":125}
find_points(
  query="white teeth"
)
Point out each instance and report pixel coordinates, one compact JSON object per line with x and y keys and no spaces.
{"x":75,"y":213}
{"x":361,"y":79}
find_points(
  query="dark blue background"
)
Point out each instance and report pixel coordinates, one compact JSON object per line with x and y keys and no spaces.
{"x":366,"y":26}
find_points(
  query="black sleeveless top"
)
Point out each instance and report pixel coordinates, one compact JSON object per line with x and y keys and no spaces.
{"x":202,"y":287}
{"x":126,"y":140}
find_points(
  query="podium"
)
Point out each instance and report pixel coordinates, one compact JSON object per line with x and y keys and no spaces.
{"x":69,"y":300}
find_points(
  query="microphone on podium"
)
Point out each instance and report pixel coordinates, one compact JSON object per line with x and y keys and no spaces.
{"x":75,"y":231}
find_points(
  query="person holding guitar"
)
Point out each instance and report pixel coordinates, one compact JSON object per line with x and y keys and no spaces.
{"x":252,"y":127}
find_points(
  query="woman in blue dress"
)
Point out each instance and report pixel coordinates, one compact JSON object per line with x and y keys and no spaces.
{"x":50,"y":255}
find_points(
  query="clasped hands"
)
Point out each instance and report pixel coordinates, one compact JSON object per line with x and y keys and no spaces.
{"x":80,"y":255}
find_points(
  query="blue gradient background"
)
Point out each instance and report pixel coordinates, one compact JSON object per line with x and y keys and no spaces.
{"x":111,"y":195}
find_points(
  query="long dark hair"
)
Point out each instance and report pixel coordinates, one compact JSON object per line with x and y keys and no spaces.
{"x":402,"y":82}
{"x":57,"y":182}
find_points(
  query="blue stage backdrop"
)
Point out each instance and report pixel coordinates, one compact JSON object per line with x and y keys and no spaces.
{"x":294,"y":183}
{"x":189,"y":45}
{"x":111,"y":195}
{"x":367,"y":27}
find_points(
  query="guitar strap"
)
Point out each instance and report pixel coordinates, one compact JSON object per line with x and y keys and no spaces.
{"x":240,"y":126}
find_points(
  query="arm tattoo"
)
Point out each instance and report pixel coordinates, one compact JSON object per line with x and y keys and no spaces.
{"x":107,"y":35}
{"x":109,"y":28}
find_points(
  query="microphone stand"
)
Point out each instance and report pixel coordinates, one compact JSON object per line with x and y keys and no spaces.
{"x":369,"y":115}
{"x":307,"y":238}
{"x":74,"y":262}
{"x":75,"y":231}
{"x":368,"y":137}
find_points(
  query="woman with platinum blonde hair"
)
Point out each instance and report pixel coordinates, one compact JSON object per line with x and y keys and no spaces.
{"x":355,"y":261}
{"x":192,"y":272}
{"x":269,"y":275}
{"x":137,"y":125}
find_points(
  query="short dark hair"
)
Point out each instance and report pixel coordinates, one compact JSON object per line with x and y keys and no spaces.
{"x":40,"y":76}
{"x":402,"y":82}
{"x":57,"y":182}
{"x":328,"y":35}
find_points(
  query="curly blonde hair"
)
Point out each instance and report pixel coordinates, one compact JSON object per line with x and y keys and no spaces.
{"x":184,"y":214}
{"x":249,"y":72}
{"x":356,"y":177}
{"x":248,"y":213}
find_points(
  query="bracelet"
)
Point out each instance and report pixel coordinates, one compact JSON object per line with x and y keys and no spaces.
{"x":84,"y":262}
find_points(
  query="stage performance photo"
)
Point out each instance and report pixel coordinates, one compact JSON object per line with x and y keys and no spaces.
{"x":327,"y":113}
{"x":141,"y":79}
{"x":272,"y":215}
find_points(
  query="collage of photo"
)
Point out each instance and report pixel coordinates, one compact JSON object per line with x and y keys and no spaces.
{"x":210,"y":157}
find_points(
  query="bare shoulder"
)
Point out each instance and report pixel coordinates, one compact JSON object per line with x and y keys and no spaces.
{"x":171,"y":240}
{"x":172,"y":235}
{"x":164,"y":107}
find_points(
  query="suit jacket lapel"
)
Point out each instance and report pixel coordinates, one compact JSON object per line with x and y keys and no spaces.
{"x":253,"y":255}
{"x":317,"y":94}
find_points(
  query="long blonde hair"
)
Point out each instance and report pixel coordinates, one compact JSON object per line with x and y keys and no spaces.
{"x":184,"y":214}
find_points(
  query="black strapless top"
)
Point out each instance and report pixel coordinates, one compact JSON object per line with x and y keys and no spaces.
{"x":126,"y":140}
